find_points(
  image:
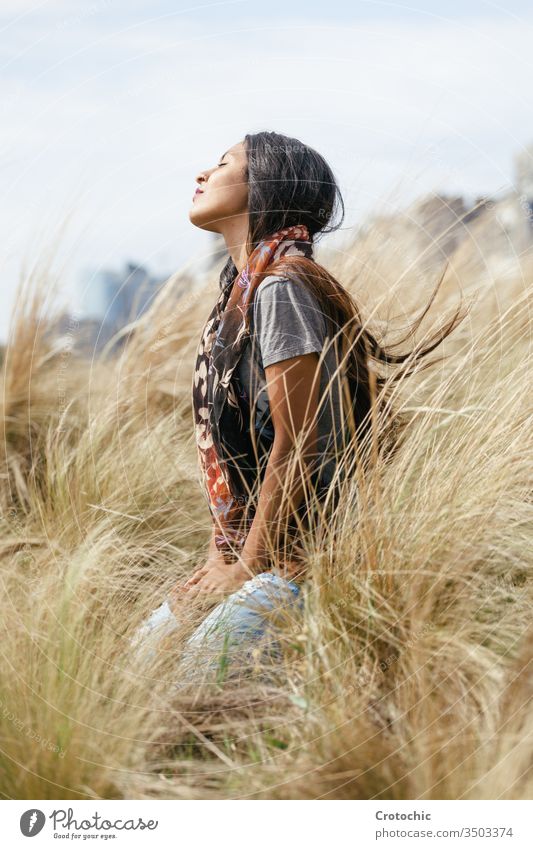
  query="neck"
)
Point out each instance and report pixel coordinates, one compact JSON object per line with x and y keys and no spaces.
{"x":235,"y":231}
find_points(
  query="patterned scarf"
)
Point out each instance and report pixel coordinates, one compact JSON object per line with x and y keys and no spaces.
{"x":221,"y":413}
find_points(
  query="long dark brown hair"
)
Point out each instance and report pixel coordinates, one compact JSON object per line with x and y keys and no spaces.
{"x":290,"y":183}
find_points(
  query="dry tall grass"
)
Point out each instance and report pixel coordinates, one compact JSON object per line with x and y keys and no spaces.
{"x":409,"y":676}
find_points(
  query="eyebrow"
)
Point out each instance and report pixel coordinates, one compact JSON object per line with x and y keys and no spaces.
{"x":223,"y":155}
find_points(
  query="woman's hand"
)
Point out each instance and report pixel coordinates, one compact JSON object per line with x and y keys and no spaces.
{"x":211,"y":563}
{"x":180,"y":589}
{"x":220,"y":579}
{"x":215,"y":577}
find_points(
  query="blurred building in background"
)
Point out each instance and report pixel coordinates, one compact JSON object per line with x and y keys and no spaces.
{"x":523,"y":167}
{"x":110,"y":300}
{"x":492,"y":234}
{"x":116,"y":298}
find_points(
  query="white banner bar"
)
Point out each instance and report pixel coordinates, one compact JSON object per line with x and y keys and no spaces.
{"x":268,"y":824}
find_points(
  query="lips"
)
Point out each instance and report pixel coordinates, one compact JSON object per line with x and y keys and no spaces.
{"x":197,"y":192}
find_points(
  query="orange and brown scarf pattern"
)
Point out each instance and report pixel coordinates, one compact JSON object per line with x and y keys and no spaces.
{"x":216,"y":407}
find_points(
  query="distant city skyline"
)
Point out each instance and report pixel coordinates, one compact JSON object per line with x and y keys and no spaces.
{"x":111,"y":109}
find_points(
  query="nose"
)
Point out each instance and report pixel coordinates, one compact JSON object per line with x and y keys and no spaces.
{"x":203,"y":176}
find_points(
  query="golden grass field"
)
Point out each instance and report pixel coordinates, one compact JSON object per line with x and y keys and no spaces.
{"x":409,"y":676}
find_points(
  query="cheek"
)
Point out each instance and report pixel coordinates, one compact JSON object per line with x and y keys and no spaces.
{"x":233,"y":195}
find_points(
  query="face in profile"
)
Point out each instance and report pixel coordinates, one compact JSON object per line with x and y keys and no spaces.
{"x":222,"y":192}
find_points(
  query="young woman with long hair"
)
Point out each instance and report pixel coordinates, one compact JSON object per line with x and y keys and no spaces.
{"x":287,"y":395}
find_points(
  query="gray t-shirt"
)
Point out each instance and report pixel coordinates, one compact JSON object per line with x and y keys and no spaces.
{"x":287,"y":321}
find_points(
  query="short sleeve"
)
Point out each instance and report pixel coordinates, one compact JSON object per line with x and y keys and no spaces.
{"x":288,"y":320}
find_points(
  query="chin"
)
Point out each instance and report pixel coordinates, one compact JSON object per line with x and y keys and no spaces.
{"x":202,"y":221}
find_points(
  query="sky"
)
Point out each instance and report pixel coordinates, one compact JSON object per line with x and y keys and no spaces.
{"x":110,"y":108}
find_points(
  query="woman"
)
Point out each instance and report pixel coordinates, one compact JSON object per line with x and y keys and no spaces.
{"x":283,"y":391}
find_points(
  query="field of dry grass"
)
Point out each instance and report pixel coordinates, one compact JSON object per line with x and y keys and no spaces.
{"x":409,"y":676}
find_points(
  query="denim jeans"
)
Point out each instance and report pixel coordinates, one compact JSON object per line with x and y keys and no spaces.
{"x":229,"y":633}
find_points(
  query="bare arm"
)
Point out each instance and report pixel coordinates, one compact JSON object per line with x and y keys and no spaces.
{"x":293,"y":389}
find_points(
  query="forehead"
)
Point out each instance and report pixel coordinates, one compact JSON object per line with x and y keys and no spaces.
{"x":236,"y":150}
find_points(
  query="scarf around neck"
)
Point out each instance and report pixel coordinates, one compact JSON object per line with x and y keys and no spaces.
{"x":221,"y":416}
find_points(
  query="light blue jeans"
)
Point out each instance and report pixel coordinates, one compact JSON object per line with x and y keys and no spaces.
{"x":229,"y":633}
